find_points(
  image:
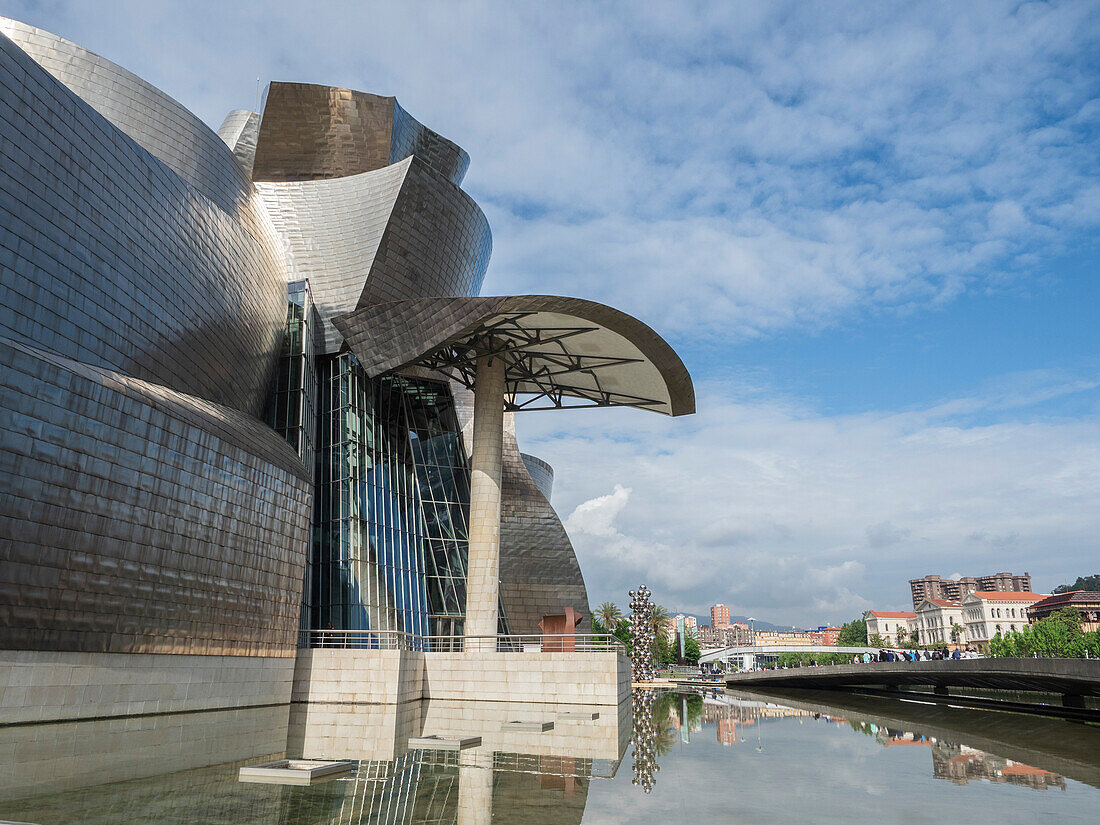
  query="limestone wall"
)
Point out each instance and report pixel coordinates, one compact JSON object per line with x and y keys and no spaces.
{"x":393,"y":676}
{"x":41,"y":686}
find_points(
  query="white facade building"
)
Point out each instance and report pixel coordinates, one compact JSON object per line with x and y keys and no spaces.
{"x":886,"y":625}
{"x":989,"y":612}
{"x":935,"y":620}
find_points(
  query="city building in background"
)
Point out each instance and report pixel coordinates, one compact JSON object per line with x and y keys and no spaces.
{"x":1085,"y":602}
{"x":826,"y":636}
{"x":934,"y":587}
{"x":719,"y":616}
{"x":252,"y":395}
{"x":939,"y":622}
{"x":886,"y":624}
{"x":783,"y":637}
{"x":989,"y":612}
{"x":735,"y":635}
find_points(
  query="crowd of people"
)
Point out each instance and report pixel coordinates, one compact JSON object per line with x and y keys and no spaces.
{"x":885,"y":655}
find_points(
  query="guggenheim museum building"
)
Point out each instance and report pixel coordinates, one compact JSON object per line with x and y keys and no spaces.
{"x":251,"y":395}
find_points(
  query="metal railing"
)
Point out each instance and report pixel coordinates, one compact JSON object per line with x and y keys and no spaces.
{"x":511,"y":643}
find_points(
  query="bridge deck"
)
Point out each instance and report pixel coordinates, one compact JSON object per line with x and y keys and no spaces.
{"x":1069,"y":677}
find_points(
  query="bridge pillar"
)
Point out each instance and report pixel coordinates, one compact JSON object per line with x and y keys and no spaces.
{"x":1073,"y":700}
{"x":940,"y":690}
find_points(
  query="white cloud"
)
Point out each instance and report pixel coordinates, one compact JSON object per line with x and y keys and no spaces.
{"x":714,"y":168}
{"x":794,"y":516}
{"x":597,"y":515}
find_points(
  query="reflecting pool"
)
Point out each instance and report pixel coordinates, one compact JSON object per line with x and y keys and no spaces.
{"x":662,"y":757}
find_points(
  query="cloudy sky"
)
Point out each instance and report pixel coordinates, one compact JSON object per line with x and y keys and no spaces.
{"x":869,"y":229}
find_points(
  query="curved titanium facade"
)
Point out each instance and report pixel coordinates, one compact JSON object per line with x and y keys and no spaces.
{"x":314,"y":132}
{"x":112,"y":259}
{"x":140,"y":520}
{"x":398,"y":232}
{"x":159,"y":302}
{"x":143,"y":506}
{"x":156,"y":122}
{"x":239,"y":130}
{"x":541,"y":473}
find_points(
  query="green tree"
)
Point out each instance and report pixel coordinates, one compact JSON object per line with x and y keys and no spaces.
{"x":691,"y":651}
{"x":608,"y":614}
{"x":1057,"y":636}
{"x":903,"y":636}
{"x":853,"y":634}
{"x":666,"y":650}
{"x":1083,"y":583}
{"x":876,"y":640}
{"x":662,"y":649}
{"x":804,"y":659}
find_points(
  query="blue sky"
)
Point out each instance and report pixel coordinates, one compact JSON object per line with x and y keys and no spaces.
{"x":870,"y":230}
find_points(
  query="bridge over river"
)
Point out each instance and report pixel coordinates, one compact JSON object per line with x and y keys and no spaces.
{"x":747,"y":657}
{"x":963,"y":680}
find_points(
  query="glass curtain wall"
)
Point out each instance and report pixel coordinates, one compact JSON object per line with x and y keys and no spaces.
{"x":292,"y":411}
{"x":444,"y":481}
{"x":392,"y":505}
{"x":368,"y":572}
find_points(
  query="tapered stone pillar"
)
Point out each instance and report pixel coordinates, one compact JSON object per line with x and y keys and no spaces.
{"x":475,"y":788}
{"x":483,"y":568}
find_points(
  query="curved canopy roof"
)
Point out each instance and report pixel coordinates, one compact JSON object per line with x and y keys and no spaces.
{"x":556,"y":350}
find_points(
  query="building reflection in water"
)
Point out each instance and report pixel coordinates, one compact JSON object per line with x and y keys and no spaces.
{"x":961,"y":764}
{"x":177,"y":769}
{"x":143,"y":770}
{"x":734,"y":718}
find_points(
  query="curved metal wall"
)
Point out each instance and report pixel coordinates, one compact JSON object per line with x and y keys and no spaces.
{"x":156,"y":122}
{"x":239,"y":130}
{"x":411,"y":137}
{"x":311,"y":132}
{"x":135,"y":519}
{"x":399,"y":232}
{"x":109,"y":257}
{"x":541,"y":473}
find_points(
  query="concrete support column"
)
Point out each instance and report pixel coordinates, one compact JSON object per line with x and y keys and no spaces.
{"x":475,"y":788}
{"x":483,"y":568}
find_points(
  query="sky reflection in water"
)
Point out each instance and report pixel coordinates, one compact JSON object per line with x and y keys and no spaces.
{"x":742,"y":758}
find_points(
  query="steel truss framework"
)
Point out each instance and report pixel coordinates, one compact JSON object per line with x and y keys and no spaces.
{"x":540,"y":372}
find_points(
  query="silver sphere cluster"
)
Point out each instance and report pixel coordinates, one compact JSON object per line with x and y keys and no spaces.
{"x":644,"y":739}
{"x":641,"y":635}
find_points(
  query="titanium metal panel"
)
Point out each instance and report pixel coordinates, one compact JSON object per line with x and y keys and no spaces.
{"x":135,"y":519}
{"x":311,"y":132}
{"x":111,"y":258}
{"x":239,"y":130}
{"x":552,"y":347}
{"x":541,"y":473}
{"x":156,"y":122}
{"x":398,"y":232}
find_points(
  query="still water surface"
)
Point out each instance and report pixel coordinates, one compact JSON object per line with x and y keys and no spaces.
{"x":723,"y":757}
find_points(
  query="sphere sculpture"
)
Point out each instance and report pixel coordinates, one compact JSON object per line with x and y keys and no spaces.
{"x":644,"y":739}
{"x":641,"y":635}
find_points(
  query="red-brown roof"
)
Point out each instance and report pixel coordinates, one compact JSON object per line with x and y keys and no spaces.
{"x":1008,"y":595}
{"x":1024,"y":770}
{"x":943,"y":602}
{"x":883,"y":614}
{"x":1072,"y":597}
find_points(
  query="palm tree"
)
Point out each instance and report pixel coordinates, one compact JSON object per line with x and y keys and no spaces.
{"x":608,"y":615}
{"x":660,"y":618}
